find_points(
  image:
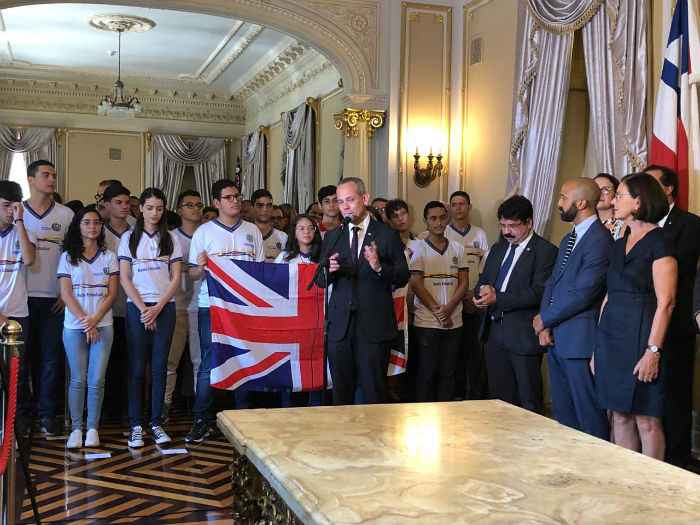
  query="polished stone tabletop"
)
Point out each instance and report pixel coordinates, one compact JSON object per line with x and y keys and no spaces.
{"x":480,"y":462}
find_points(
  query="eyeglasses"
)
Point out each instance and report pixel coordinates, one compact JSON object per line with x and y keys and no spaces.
{"x":98,"y":197}
{"x":606,"y":190}
{"x":230,"y":198}
{"x":399,"y":214}
{"x":618,"y":194}
{"x":509,"y":226}
{"x":91,"y":223}
{"x":191,"y":205}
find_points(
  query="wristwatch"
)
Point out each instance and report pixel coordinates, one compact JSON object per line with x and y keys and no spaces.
{"x":653,"y":348}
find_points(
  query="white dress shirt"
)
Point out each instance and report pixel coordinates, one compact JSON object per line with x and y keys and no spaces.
{"x":518,"y":252}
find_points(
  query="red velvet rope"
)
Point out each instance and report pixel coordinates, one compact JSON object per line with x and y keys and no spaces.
{"x":10,"y":421}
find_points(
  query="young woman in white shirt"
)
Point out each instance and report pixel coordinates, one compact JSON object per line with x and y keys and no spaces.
{"x":149,"y":259}
{"x":89,"y":278}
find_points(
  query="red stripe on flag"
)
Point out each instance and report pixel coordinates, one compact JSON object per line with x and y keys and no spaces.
{"x":250,"y":297}
{"x":399,"y":303}
{"x":242,"y":373}
{"x":397,"y":360}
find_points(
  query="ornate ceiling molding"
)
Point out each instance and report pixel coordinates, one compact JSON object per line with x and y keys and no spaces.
{"x":309,"y":76}
{"x":286,"y":59}
{"x":30,"y":94}
{"x":120,"y":22}
{"x":232,"y":55}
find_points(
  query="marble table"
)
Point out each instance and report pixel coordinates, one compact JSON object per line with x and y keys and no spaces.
{"x":482,"y":462}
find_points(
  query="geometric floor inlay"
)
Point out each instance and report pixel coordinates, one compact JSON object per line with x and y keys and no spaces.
{"x":138,"y":486}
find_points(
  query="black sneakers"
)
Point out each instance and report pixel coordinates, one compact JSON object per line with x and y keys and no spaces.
{"x":50,"y":427}
{"x":198,"y":432}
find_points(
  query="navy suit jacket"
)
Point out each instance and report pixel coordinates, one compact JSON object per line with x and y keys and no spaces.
{"x":520,"y":301}
{"x":577,"y":292}
{"x":361,"y":287}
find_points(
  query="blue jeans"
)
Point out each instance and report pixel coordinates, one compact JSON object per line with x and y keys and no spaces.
{"x":88,"y":363}
{"x":138,"y":339}
{"x":204,"y":393}
{"x":47,"y":356}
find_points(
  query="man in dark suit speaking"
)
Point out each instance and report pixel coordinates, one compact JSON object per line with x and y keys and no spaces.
{"x":366,"y":260}
{"x":570,"y":308}
{"x":510,"y":290}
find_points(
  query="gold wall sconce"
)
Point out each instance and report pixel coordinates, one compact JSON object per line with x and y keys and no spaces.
{"x":424,"y":176}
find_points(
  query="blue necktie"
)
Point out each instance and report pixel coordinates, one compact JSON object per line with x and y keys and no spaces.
{"x":505,"y":267}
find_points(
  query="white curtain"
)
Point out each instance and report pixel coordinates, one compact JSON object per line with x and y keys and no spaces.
{"x":34,"y":142}
{"x":169,"y":156}
{"x":254,"y":163}
{"x":614,"y":33}
{"x":298,"y":157}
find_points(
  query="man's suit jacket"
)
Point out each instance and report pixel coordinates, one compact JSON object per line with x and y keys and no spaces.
{"x":361,"y":288}
{"x":521,"y":299}
{"x":682,"y":228}
{"x":696,"y":295}
{"x":577,"y":291}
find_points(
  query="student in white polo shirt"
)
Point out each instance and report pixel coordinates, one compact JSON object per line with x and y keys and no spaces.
{"x":149,"y":261}
{"x":439,"y":280}
{"x":48,"y":221}
{"x":273,"y":240}
{"x":115,"y":200}
{"x":189,"y":208}
{"x":16,"y":252}
{"x":89,"y":277}
{"x":470,"y":380}
{"x":231,"y":236}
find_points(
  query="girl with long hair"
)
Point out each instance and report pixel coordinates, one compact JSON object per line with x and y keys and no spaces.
{"x":149,"y":259}
{"x":304,"y":243}
{"x":88,"y":274}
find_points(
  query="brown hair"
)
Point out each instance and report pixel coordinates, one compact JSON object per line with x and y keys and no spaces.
{"x":653,"y":204}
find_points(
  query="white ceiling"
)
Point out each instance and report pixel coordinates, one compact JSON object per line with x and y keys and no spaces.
{"x":216,"y":54}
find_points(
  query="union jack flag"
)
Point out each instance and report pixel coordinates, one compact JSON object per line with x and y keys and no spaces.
{"x":266,"y":327}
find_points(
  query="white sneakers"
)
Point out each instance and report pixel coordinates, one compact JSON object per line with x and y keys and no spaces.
{"x":92,"y":438}
{"x":159,"y":435}
{"x":75,"y":440}
{"x":136,"y":436}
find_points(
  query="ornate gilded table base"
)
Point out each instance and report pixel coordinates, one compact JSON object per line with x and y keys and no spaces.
{"x":255,"y":502}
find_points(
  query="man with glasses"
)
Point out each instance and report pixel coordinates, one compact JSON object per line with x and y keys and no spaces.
{"x":273,"y":240}
{"x":48,"y":222}
{"x":277,"y":218}
{"x":189,"y":207}
{"x":230,"y":236}
{"x":509,"y":291}
{"x":470,"y":376}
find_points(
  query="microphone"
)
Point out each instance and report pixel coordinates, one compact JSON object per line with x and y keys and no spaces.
{"x":347,"y":219}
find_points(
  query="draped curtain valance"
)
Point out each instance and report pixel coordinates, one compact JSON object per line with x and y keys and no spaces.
{"x":34,"y":142}
{"x":170,"y":154}
{"x":563,"y":16}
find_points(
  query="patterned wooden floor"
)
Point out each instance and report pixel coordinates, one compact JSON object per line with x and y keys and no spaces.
{"x":136,"y":486}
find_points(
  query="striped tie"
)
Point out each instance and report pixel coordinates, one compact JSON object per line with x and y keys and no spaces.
{"x":567,"y":253}
{"x":569,"y":248}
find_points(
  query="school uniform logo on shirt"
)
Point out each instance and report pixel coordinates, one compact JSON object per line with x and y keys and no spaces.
{"x":279,"y":245}
{"x":249,"y":237}
{"x":56,"y":227}
{"x":477,"y":244}
{"x":105,"y":270}
{"x":454,"y":260}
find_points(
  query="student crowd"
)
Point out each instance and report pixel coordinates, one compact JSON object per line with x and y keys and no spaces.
{"x":118,"y":284}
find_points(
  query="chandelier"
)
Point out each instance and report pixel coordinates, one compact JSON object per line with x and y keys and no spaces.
{"x":116,"y":104}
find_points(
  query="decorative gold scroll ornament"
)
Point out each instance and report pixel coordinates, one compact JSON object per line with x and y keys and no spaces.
{"x":347,"y":121}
